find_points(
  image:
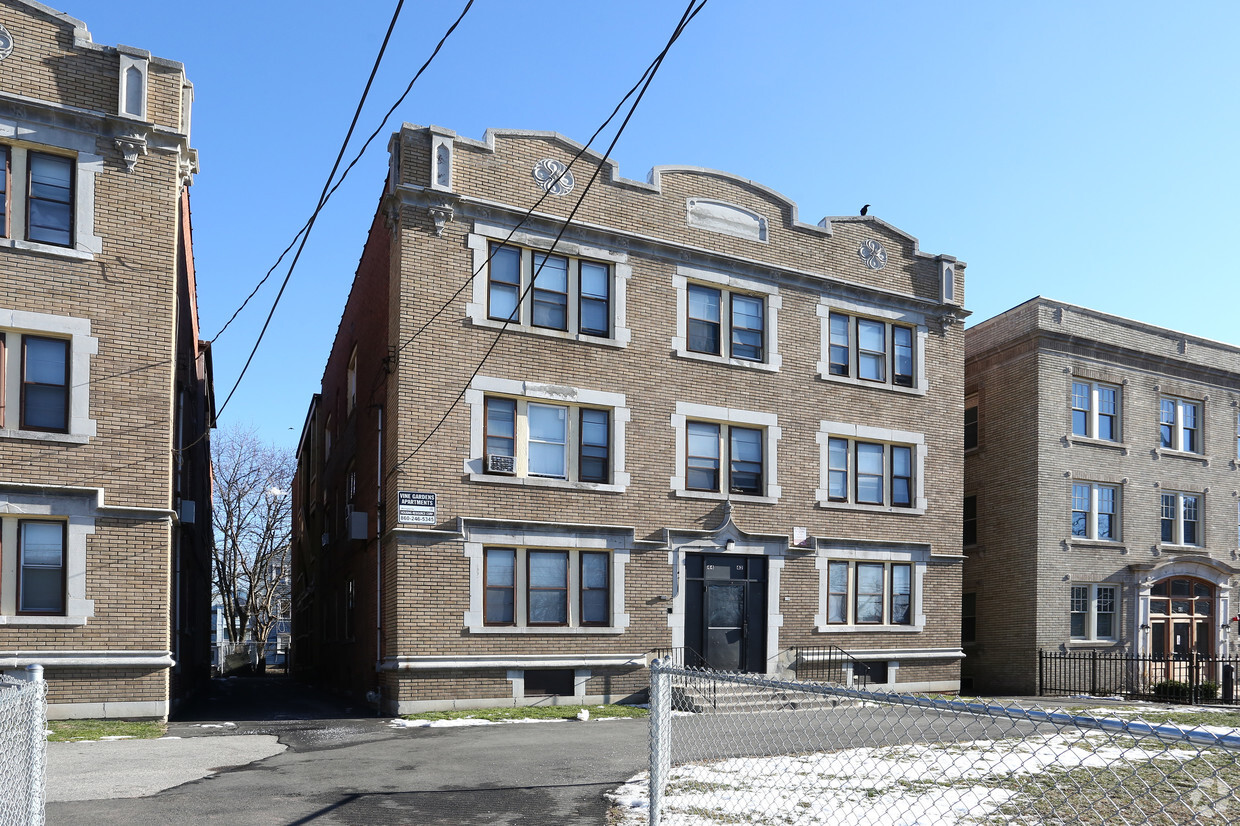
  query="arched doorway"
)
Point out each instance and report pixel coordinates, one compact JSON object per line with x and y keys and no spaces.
{"x":1182,"y":618}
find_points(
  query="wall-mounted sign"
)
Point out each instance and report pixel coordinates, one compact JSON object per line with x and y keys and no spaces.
{"x":414,"y":508}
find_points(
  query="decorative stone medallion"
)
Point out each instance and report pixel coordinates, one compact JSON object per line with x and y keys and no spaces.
{"x":873,"y":254}
{"x":554,"y":177}
{"x":6,"y":43}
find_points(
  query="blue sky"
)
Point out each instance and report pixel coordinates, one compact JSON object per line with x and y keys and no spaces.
{"x":1084,"y":151}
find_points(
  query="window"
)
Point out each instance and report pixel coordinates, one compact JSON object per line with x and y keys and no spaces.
{"x":1095,"y":410}
{"x":870,"y":350}
{"x":970,"y":423}
{"x":968,"y":617}
{"x":565,"y":293}
{"x":870,"y":473}
{"x":351,"y":383}
{"x":45,"y":384}
{"x":542,"y":587}
{"x":41,"y":582}
{"x":47,"y":188}
{"x":49,"y":208}
{"x":5,"y":186}
{"x":1178,"y":425}
{"x":726,"y":319}
{"x":1095,"y":511}
{"x":869,"y":593}
{"x":745,"y":325}
{"x":1092,"y":612}
{"x":1181,"y":519}
{"x":970,"y":521}
{"x":721,"y":453}
{"x":711,"y":445}
{"x":525,"y":433}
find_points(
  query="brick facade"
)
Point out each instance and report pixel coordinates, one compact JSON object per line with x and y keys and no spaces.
{"x":109,"y":287}
{"x":1029,"y":570}
{"x":400,"y":612}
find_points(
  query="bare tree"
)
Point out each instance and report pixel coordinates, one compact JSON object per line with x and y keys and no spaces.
{"x":252,"y":521}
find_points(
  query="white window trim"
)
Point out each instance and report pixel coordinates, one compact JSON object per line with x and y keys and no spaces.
{"x":1091,"y":518}
{"x":826,"y":554}
{"x":1178,"y":529}
{"x":1091,"y":615}
{"x":479,"y":241}
{"x":82,"y":346}
{"x":79,"y":512}
{"x":864,"y":433}
{"x":482,"y":386}
{"x":921,"y":336}
{"x":127,"y":62}
{"x":768,"y":423}
{"x":526,"y":537}
{"x":28,"y":136}
{"x":1177,"y":432}
{"x":772,"y":360}
{"x":1093,"y":413}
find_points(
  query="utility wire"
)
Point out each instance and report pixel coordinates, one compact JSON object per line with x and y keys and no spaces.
{"x":327,"y":188}
{"x":690,"y":12}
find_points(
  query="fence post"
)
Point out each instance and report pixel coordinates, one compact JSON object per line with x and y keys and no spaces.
{"x":1229,"y":672}
{"x":660,"y":733}
{"x":1041,"y":671}
{"x":1093,"y":674}
{"x":38,"y":744}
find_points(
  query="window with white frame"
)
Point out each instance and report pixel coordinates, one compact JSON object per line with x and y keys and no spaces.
{"x":871,"y":588}
{"x":872,"y":346}
{"x":41,"y":567}
{"x":1179,"y":425}
{"x":45,"y":376}
{"x":722,"y":453}
{"x":43,"y":547}
{"x":1181,"y":519}
{"x":1092,"y":612}
{"x":726,"y":319}
{"x":1095,"y":511}
{"x":574,"y":291}
{"x":1095,"y":410}
{"x":529,"y":587}
{"x":871,"y":468}
{"x":528,"y":433}
{"x":47,"y":192}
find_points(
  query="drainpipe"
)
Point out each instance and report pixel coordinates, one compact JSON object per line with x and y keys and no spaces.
{"x":379,"y":560}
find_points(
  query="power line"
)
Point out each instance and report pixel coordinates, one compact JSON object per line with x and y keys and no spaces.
{"x":690,"y":13}
{"x":327,"y":188}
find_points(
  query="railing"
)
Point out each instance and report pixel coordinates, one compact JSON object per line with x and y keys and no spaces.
{"x":830,"y":664}
{"x":1191,"y":678}
{"x":683,"y":657}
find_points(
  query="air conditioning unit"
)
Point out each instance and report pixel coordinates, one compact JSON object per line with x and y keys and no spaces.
{"x":186,"y":511}
{"x":358,"y":525}
{"x":501,"y":464}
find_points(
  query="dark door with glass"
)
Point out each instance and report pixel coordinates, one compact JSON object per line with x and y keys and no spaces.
{"x":1181,"y":619}
{"x":725,"y":612}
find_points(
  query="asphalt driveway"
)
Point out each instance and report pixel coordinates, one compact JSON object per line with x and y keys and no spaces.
{"x":319,"y":765}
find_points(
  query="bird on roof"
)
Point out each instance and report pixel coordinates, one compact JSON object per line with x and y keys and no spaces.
{"x":865,"y":209}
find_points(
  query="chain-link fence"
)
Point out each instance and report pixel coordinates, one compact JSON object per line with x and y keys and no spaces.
{"x":742,"y":748}
{"x":23,"y":748}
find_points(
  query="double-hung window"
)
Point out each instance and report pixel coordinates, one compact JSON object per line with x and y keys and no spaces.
{"x":549,"y":291}
{"x":970,"y":423}
{"x":49,"y":216}
{"x":1179,"y":425}
{"x":6,"y":161}
{"x":870,"y":473}
{"x":41,"y":580}
{"x":1095,"y":511}
{"x":1095,"y":410}
{"x":1092,"y":612}
{"x":712,"y":447}
{"x":533,"y":587}
{"x":1181,"y":519}
{"x":528,"y":438}
{"x":871,"y":350}
{"x":869,"y":593}
{"x":45,"y":384}
{"x":726,"y":324}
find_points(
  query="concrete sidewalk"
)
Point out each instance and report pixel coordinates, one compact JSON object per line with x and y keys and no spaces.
{"x":110,"y":769}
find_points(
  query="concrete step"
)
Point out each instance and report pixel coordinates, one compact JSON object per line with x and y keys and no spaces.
{"x":701,"y":697}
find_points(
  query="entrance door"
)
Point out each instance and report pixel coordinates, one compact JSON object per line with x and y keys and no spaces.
{"x":725,"y":612}
{"x":1181,"y":623}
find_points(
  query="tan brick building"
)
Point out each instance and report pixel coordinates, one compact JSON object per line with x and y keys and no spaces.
{"x":1101,"y":469}
{"x":104,"y":387}
{"x":706,"y":426}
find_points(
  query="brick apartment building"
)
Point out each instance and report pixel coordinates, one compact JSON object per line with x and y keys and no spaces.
{"x":104,"y":386}
{"x":707,"y":426}
{"x":1102,"y":465}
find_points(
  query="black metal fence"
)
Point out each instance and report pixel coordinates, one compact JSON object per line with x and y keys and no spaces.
{"x":1192,"y":678}
{"x":832,"y":664}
